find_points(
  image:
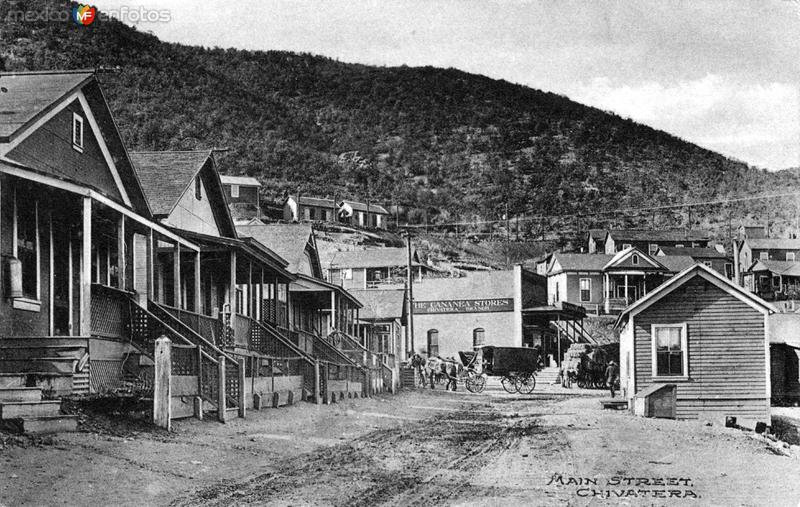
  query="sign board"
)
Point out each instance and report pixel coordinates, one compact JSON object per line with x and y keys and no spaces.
{"x":464,"y":306}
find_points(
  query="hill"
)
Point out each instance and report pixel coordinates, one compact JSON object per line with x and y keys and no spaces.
{"x":441,"y":144}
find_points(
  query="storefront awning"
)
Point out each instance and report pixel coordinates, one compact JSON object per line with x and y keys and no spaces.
{"x":559,"y":311}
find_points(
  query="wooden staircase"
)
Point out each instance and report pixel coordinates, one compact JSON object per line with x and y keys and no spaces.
{"x":23,"y":410}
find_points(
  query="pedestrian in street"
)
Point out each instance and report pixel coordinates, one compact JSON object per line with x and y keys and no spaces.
{"x":452,"y":375}
{"x":612,"y":375}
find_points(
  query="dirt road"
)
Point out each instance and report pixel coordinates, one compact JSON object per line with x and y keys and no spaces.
{"x":417,"y":448}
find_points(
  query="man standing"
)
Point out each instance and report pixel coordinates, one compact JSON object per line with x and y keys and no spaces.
{"x":612,"y":375}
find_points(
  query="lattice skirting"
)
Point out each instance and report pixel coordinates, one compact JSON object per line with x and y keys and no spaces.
{"x":105,"y":375}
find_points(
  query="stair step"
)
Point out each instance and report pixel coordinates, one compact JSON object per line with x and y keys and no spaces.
{"x":43,"y":352}
{"x":27,"y":409}
{"x":60,"y":365}
{"x":11,"y":394}
{"x":41,"y":425}
{"x":38,"y":341}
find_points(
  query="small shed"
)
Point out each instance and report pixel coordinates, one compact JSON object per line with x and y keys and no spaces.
{"x":699,"y":343}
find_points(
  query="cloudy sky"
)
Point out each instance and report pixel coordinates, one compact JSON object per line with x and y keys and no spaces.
{"x":725,"y":75}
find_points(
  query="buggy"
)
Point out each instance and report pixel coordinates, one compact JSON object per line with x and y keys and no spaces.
{"x":517,"y":367}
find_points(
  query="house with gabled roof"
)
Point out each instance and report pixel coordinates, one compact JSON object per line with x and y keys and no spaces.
{"x":715,"y":259}
{"x":607,"y":283}
{"x":680,"y":344}
{"x":78,"y":240}
{"x":316,"y":209}
{"x":774,"y":280}
{"x":363,"y":214}
{"x":649,"y":241}
{"x":372,"y":268}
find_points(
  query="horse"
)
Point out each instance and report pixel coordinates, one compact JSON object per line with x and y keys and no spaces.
{"x":438,"y":369}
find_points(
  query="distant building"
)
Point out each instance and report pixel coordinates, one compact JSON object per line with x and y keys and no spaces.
{"x":608,"y":283}
{"x":372,"y":268}
{"x":242,"y":194}
{"x":595,"y":240}
{"x":752,"y":232}
{"x":767,"y":249}
{"x":697,"y":348}
{"x":773,"y":280}
{"x":385,"y":312}
{"x":711,"y":257}
{"x":310,"y":209}
{"x":650,"y":241}
{"x":315,"y":209}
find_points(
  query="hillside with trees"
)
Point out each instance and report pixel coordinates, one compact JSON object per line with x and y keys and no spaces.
{"x":441,"y":144}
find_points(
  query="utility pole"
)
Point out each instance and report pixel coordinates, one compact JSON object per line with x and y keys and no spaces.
{"x":409,"y":285}
{"x":508,"y":232}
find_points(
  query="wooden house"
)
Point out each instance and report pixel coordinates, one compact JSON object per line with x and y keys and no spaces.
{"x":773,"y":280}
{"x":79,"y":243}
{"x":748,"y":251}
{"x":242,"y":193}
{"x":372,"y":268}
{"x":363,"y":214}
{"x":595,"y":240}
{"x":715,"y":259}
{"x":310,"y":209}
{"x":649,"y":241}
{"x":607,"y":283}
{"x":697,"y":347}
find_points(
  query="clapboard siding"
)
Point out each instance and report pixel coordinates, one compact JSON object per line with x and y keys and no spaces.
{"x":726,"y":357}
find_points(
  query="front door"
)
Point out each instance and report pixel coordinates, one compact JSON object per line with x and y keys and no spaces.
{"x":62,"y":310}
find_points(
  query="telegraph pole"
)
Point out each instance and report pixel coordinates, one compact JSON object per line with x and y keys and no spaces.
{"x":409,"y":285}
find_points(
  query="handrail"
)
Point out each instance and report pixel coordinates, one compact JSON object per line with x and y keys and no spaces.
{"x":282,"y":339}
{"x":209,"y":356}
{"x":194,"y":334}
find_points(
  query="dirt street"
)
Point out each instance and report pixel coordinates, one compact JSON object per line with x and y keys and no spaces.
{"x":416,"y":448}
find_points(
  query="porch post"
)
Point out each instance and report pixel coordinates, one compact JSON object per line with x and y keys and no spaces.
{"x":197,"y":296}
{"x":86,"y":267}
{"x":626,"y":290}
{"x":261,"y":298}
{"x":232,"y":288}
{"x":150,"y":259}
{"x":121,"y":254}
{"x":606,"y":291}
{"x":333,"y":310}
{"x":250,"y":288}
{"x":176,"y":275}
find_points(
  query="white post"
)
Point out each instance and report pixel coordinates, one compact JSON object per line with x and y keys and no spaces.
{"x":176,"y":276}
{"x":86,"y":268}
{"x":122,"y":282}
{"x":221,"y":414}
{"x":197,"y":285}
{"x":242,"y":407}
{"x":626,"y":290}
{"x":162,"y":392}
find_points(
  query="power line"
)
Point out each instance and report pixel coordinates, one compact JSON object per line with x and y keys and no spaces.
{"x":614,"y":211}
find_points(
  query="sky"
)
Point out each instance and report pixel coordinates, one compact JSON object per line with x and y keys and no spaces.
{"x":722,"y":74}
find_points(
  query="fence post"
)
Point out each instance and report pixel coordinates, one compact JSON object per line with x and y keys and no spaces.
{"x":221,"y":401}
{"x":317,"y":383}
{"x":242,"y":407}
{"x":162,"y":393}
{"x":199,"y":380}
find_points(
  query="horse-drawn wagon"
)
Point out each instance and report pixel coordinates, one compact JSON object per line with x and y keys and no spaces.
{"x":516,"y":367}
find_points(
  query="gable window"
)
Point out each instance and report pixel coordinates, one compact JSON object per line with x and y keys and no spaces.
{"x":586,"y":289}
{"x":26,"y":246}
{"x":764,"y":256}
{"x":790,"y":256}
{"x":625,"y":246}
{"x":235,"y":191}
{"x":635,"y":260}
{"x":77,"y":132}
{"x":198,"y":189}
{"x":652,"y":248}
{"x":670,"y":350}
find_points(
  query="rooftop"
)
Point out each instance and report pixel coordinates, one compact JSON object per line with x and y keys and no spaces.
{"x":695,"y":253}
{"x":165,"y":175}
{"x":372,"y":258}
{"x":656,"y":236}
{"x":381,"y":304}
{"x":242,"y":181}
{"x":773,"y":243}
{"x":360,"y":206}
{"x":30,"y":93}
{"x":287,"y":240}
{"x":784,"y":268}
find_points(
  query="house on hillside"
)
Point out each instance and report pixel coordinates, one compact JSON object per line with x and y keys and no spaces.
{"x":752,"y":232}
{"x":680,"y":343}
{"x":767,"y":249}
{"x":372,"y":268}
{"x":310,"y":209}
{"x":595,"y":240}
{"x":607,"y":283}
{"x":650,"y":241}
{"x":242,"y":193}
{"x":363,"y":214}
{"x":711,"y":257}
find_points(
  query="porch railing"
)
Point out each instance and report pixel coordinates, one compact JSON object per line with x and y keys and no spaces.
{"x":209,"y":328}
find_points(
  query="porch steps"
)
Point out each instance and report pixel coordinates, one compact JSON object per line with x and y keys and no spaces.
{"x":42,"y":366}
{"x":547,"y":376}
{"x":23,"y":410}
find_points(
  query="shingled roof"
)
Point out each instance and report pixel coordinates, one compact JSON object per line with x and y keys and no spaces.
{"x":165,"y":175}
{"x":656,"y":236}
{"x":242,"y":181}
{"x":381,"y":304}
{"x":31,"y":94}
{"x":287,"y":240}
{"x":360,"y":206}
{"x":774,"y":243}
{"x":695,"y":253}
{"x":784,"y":268}
{"x":581,"y":262}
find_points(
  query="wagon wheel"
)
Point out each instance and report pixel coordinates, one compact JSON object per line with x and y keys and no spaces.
{"x":476,"y":383}
{"x":509,"y":384}
{"x":526,"y":383}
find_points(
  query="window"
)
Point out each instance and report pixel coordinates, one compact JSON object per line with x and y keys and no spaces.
{"x":586,"y":289}
{"x":433,"y":342}
{"x":764,"y":256}
{"x":669,"y":350}
{"x":478,"y":337}
{"x":790,"y":256}
{"x":729,"y":270}
{"x":635,"y":260}
{"x":707,"y":263}
{"x":652,"y":248}
{"x":77,"y":132}
{"x":306,"y":214}
{"x":312,"y":214}
{"x":198,"y":189}
{"x":347,"y":274}
{"x":558,"y":298}
{"x":235,"y":191}
{"x":625,"y":246}
{"x":26,"y":244}
{"x":679,"y":245}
